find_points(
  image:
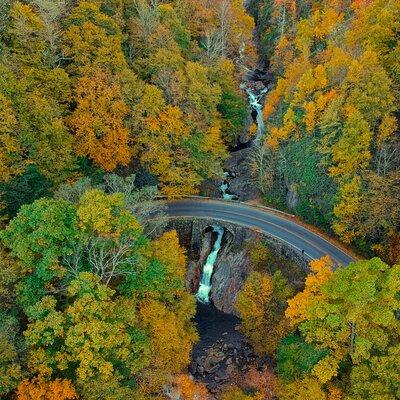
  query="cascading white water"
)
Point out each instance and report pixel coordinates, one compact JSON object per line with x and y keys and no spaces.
{"x":256,"y":105}
{"x":224,"y":187}
{"x":205,"y":284}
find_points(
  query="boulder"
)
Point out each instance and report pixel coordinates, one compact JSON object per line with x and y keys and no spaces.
{"x":243,"y":185}
{"x":222,"y":374}
{"x":211,"y":188}
{"x":230,"y":369}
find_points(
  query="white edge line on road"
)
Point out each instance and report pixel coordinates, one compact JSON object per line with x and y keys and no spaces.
{"x":261,"y":207}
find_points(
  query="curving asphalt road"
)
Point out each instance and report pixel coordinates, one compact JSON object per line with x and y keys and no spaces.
{"x":269,"y":222}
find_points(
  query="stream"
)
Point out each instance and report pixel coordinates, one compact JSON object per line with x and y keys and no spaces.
{"x":224,"y":188}
{"x":256,"y":90}
{"x":223,"y":353}
{"x":256,"y":102}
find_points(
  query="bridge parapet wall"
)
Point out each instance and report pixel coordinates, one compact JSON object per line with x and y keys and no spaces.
{"x":238,"y":238}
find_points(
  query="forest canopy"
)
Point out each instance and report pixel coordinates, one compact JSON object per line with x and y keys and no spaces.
{"x":106,"y":106}
{"x":332,"y":151}
{"x":121,"y":84}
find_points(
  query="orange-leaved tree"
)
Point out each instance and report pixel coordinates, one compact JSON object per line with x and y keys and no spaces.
{"x":298,"y":306}
{"x":98,"y":121}
{"x":39,"y":389}
{"x":188,"y":389}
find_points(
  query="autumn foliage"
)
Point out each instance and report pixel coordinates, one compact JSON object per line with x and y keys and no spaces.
{"x":102,"y":301}
{"x":349,"y":314}
{"x":122,"y":84}
{"x":331,"y":118}
{"x":107,"y":105}
{"x":39,"y":389}
{"x":261,"y":305}
{"x":98,"y":121}
{"x":188,"y":389}
{"x":299,"y":305}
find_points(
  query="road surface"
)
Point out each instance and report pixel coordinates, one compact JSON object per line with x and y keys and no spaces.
{"x":269,"y":222}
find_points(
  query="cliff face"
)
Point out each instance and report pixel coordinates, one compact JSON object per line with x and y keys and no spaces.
{"x":243,"y":184}
{"x":195,"y":264}
{"x":232,"y":267}
{"x":228,"y":279}
{"x":233,"y":263}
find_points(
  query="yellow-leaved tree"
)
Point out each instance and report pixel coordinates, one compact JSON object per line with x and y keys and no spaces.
{"x":351,"y":312}
{"x":261,"y":305}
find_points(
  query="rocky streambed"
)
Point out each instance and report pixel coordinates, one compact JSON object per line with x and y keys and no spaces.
{"x":223,"y":353}
{"x":223,"y":356}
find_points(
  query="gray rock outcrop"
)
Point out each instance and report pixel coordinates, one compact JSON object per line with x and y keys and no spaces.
{"x":243,"y":184}
{"x":228,"y":279}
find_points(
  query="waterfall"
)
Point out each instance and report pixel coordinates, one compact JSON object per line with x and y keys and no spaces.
{"x":224,"y":187}
{"x":205,"y":284}
{"x":255,"y":101}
